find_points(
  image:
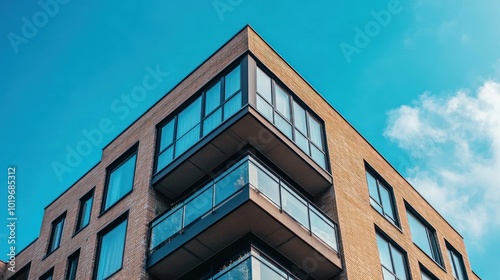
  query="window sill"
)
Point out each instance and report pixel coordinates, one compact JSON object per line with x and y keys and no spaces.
{"x":387,"y":219}
{"x":434,"y":261}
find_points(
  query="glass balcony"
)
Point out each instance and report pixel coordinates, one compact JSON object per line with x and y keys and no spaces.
{"x":247,"y":175}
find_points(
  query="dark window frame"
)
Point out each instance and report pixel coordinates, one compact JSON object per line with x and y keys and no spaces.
{"x":431,"y":235}
{"x":82,"y":200}
{"x":46,"y":275}
{"x":108,"y":228}
{"x":60,"y":219}
{"x":275,"y":82}
{"x":451,"y":250}
{"x":396,"y":246}
{"x":381,"y":182}
{"x":74,"y":256}
{"x":173,"y":116}
{"x":427,"y":272}
{"x":133,"y":150}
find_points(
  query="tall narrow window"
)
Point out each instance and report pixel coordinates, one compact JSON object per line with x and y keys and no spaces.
{"x":56,"y":233}
{"x":280,"y":108}
{"x":47,"y":275}
{"x":84,"y":211}
{"x":392,"y":259}
{"x":72,"y":265}
{"x":120,"y":182}
{"x":424,"y":237}
{"x":111,"y":249}
{"x":381,"y":198}
{"x":457,"y":264}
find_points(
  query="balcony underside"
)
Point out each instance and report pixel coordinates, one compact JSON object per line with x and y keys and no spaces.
{"x":246,"y":127}
{"x":247,"y":212}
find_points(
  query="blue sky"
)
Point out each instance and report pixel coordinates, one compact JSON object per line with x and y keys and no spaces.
{"x":421,"y":84}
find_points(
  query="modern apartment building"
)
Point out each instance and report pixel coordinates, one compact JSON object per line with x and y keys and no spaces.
{"x":243,"y":171}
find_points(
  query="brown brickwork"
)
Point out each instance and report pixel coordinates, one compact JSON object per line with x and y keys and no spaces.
{"x":347,"y":202}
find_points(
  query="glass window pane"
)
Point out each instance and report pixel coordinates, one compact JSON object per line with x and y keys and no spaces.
{"x":295,"y":207}
{"x":266,"y":272}
{"x":283,"y":125}
{"x":84,"y":215}
{"x":458,"y":266}
{"x":188,"y":140}
{"x":188,"y":118}
{"x":212,"y":121}
{"x":232,"y":106}
{"x":166,"y":228}
{"x":231,"y":183}
{"x":387,"y":202}
{"x":318,"y":156}
{"x":120,"y":182}
{"x":264,"y":108}
{"x":419,"y":234}
{"x":241,"y":271}
{"x":283,"y":102}
{"x":399,"y":263}
{"x":372,"y":187}
{"x":383,"y":249}
{"x":425,"y":276}
{"x":322,"y":229}
{"x":376,"y":206}
{"x":232,"y":82}
{"x":72,"y":267}
{"x":387,"y":274}
{"x":315,"y":130}
{"x":264,"y":85}
{"x":265,"y":182}
{"x":302,"y":142}
{"x":56,"y":234}
{"x":299,"y":117}
{"x":111,"y":251}
{"x":212,"y":98}
{"x":165,"y":158}
{"x":198,"y":206}
{"x":167,"y":135}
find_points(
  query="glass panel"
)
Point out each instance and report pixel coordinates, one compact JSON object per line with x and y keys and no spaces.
{"x":419,"y":234}
{"x":165,"y":158}
{"x":265,"y":270}
{"x":265,"y":182}
{"x":283,"y":102}
{"x":399,"y":263}
{"x":299,"y":117}
{"x":188,"y":118}
{"x":283,"y":125}
{"x":232,"y":82}
{"x":187,"y":141}
{"x":264,"y":86}
{"x":302,"y":141}
{"x":56,"y":235}
{"x":372,"y":187}
{"x":120,"y":182}
{"x":232,"y":106}
{"x":241,"y":271}
{"x":72,"y":267}
{"x":376,"y":205}
{"x":84,"y":216}
{"x":264,"y":108}
{"x":318,"y":156}
{"x":212,"y":122}
{"x":387,"y":274}
{"x":212,"y":98}
{"x":230,"y":183}
{"x":167,"y":135}
{"x":383,"y":249}
{"x":294,"y":206}
{"x":425,"y":276}
{"x":322,"y":229}
{"x":459,"y":266}
{"x":315,"y":130}
{"x":387,"y":202}
{"x":166,"y":228}
{"x":111,"y":251}
{"x":198,"y":206}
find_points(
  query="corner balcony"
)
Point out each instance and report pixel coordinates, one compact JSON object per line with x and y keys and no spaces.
{"x":245,"y":198}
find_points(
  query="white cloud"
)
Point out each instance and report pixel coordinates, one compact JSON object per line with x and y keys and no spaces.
{"x":457,"y":141}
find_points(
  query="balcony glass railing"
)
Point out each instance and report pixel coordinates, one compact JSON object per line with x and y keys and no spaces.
{"x":242,"y":176}
{"x":252,"y":266}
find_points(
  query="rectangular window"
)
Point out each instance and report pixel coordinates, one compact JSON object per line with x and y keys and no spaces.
{"x":457,"y":264}
{"x":111,"y":249}
{"x":381,"y":197}
{"x":84,"y":211}
{"x":216,"y":104}
{"x":120,"y":181}
{"x":47,"y":275}
{"x":393,"y":260}
{"x":72,"y":266}
{"x":279,"y":107}
{"x":56,"y":233}
{"x":424,"y":237}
